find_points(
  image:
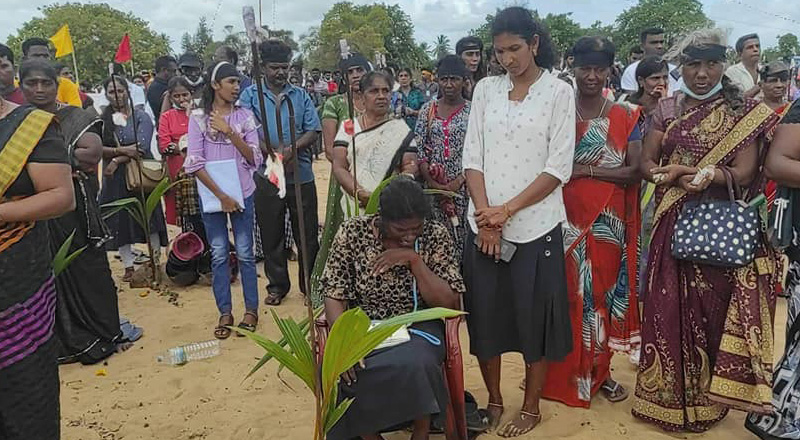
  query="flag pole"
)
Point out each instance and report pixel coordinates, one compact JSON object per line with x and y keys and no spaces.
{"x":75,"y":68}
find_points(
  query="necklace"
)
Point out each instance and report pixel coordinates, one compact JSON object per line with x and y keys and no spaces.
{"x":365,"y":124}
{"x":602,"y":111}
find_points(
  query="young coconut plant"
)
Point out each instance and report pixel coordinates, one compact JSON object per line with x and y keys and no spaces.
{"x":141,"y":212}
{"x":63,"y":258}
{"x":350,"y":340}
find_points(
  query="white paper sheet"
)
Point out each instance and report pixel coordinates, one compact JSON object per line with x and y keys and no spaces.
{"x":226,"y":175}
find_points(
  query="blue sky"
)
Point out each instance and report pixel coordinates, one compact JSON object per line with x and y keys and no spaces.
{"x":453,"y":18}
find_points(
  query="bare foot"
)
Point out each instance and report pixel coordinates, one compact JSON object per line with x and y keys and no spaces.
{"x":523,"y":423}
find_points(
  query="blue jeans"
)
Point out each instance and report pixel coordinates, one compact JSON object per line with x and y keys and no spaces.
{"x":217,"y":234}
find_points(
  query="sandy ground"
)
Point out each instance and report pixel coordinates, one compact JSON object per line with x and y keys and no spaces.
{"x":140,"y":399}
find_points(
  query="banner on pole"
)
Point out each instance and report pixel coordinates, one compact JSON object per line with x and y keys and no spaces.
{"x":124,"y":51}
{"x":62,"y":42}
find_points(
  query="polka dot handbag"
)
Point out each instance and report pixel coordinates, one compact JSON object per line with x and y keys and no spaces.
{"x":717,"y":232}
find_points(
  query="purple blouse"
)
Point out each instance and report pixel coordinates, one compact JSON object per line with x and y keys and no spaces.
{"x":205,"y":145}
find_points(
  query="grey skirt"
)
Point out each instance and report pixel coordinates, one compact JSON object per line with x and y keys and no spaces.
{"x":520,"y":306}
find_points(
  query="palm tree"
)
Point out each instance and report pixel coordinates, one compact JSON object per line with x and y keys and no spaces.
{"x":441,"y":47}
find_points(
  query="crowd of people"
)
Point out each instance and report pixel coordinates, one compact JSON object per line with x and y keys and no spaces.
{"x":547,"y":194}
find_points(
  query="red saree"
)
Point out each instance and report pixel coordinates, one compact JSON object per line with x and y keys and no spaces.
{"x":601,"y":238}
{"x":706,"y":331}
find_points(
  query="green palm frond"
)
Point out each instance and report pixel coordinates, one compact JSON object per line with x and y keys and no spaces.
{"x":62,"y":259}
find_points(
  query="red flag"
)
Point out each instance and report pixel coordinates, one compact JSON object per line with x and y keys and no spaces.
{"x":124,"y":50}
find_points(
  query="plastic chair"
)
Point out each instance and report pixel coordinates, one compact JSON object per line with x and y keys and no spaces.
{"x":453,"y":369}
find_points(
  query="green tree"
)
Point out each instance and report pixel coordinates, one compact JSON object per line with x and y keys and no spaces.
{"x":676,"y":17}
{"x":369,"y":29}
{"x":563,"y":30}
{"x":788,"y":45}
{"x":398,"y":39}
{"x":200,"y":42}
{"x":363,"y":26}
{"x":96,"y":31}
{"x":441,"y":48}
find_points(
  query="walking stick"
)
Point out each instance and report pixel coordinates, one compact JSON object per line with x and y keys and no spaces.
{"x":252,"y":34}
{"x":296,"y":170}
{"x":249,"y":22}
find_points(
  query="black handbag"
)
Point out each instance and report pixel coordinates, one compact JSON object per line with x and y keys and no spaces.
{"x":717,"y":232}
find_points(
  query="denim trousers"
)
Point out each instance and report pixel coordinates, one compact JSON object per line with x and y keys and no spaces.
{"x":216,"y":225}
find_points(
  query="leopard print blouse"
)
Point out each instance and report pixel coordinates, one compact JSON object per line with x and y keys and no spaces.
{"x":348,"y":273}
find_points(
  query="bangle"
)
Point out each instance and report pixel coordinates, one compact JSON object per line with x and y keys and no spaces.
{"x":591,"y":172}
{"x":114,"y":159}
{"x":507,"y":210}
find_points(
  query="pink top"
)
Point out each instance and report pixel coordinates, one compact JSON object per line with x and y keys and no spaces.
{"x":205,"y":145}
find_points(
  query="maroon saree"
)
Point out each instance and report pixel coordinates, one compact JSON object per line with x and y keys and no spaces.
{"x":706,"y":331}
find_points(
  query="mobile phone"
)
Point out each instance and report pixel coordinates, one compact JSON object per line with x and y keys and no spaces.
{"x":507,"y":249}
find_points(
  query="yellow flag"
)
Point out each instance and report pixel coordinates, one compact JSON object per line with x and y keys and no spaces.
{"x":62,"y":41}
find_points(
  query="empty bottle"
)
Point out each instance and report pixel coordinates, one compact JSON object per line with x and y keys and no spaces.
{"x":189,"y":352}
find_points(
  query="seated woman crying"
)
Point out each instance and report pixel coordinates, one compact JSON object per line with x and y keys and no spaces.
{"x":388,"y":264}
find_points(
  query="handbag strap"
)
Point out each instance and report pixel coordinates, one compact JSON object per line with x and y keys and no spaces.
{"x":734,"y":192}
{"x":431,"y":115}
{"x":423,"y":334}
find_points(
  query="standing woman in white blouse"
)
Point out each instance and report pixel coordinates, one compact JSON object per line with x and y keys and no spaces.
{"x":517,"y":156}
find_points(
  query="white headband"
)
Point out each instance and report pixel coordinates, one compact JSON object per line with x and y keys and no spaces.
{"x":216,"y":69}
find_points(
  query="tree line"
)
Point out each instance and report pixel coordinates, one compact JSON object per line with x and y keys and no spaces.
{"x":370,"y":29}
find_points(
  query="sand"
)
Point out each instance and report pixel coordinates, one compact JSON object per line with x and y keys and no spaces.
{"x":137,"y":398}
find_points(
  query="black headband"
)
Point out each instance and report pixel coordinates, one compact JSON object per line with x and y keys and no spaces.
{"x":223,"y":70}
{"x":594,"y":58}
{"x":708,"y":52}
{"x":355,"y":60}
{"x":783,"y":76}
{"x":468,"y":43}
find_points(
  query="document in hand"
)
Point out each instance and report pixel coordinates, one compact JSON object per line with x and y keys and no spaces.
{"x":226,"y":175}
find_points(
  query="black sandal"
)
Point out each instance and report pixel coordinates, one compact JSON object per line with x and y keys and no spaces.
{"x":274,"y":299}
{"x":221,"y":331}
{"x":249,"y":327}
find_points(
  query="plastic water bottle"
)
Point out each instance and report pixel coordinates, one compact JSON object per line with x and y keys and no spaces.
{"x":189,"y":352}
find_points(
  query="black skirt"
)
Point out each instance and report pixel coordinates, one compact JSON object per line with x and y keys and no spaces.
{"x":87,"y":316}
{"x":29,"y":397}
{"x":399,"y":384}
{"x":520,"y":306}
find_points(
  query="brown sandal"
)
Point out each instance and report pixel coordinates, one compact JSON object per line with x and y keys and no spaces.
{"x":245,"y":326}
{"x":221,"y":331}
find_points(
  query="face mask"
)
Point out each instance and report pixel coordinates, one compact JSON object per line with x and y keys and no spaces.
{"x":194,"y":82}
{"x":714,"y":90}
